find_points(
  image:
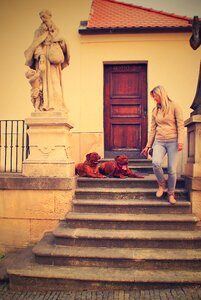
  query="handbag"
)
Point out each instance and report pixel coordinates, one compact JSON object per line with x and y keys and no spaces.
{"x":55,"y":54}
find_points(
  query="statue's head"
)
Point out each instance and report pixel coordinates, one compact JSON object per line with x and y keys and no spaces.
{"x":29,"y":73}
{"x":45,"y":15}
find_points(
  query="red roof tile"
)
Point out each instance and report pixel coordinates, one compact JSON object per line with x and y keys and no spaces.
{"x":112,"y":14}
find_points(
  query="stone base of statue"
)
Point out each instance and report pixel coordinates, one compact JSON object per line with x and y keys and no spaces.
{"x":49,"y":145}
{"x":193,"y":165}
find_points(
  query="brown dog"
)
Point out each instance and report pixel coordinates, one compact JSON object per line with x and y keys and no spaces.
{"x":118,"y":168}
{"x":90,"y":167}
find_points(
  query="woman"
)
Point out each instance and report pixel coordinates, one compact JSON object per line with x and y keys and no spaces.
{"x":166,"y":136}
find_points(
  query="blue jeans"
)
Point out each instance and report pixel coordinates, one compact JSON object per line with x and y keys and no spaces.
{"x":160,"y":149}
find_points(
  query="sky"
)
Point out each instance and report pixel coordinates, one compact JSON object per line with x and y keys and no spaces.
{"x":189,"y":8}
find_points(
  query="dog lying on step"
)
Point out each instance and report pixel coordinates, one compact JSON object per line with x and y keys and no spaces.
{"x":118,"y":168}
{"x":90,"y":167}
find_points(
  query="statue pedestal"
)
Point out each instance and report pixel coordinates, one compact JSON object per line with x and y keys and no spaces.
{"x":193,"y":165}
{"x":49,"y":143}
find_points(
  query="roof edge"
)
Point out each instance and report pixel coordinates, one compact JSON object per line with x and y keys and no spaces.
{"x":92,"y":31}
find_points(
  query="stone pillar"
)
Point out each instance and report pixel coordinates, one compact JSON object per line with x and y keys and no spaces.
{"x":49,"y":142}
{"x":193,"y":165}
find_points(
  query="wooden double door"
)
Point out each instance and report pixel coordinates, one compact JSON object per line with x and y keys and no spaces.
{"x":125,"y":109}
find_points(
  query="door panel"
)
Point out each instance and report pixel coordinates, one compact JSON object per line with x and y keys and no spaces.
{"x":125,"y":109}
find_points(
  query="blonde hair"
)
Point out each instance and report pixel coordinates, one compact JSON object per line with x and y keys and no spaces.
{"x":165,"y":100}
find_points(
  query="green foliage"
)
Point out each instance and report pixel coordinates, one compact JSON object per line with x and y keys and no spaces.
{"x":1,"y":255}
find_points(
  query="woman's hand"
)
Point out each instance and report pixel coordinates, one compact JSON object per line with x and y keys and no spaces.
{"x":180,"y":147}
{"x":144,"y":151}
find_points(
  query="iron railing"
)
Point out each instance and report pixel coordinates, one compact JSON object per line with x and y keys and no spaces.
{"x":13,"y":145}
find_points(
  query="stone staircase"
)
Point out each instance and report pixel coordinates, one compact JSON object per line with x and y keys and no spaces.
{"x":117,"y":236}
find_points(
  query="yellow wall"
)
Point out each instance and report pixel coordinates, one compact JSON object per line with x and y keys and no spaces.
{"x":171,"y":63}
{"x":170,"y":59}
{"x":18,"y":21}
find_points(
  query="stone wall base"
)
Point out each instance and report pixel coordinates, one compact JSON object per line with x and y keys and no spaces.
{"x":43,"y":168}
{"x":31,"y":206}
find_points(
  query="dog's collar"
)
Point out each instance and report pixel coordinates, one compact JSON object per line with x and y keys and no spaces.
{"x":90,"y":163}
{"x":117,"y":166}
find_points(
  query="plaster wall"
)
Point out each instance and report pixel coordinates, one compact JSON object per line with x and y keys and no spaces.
{"x":18,"y":21}
{"x":170,"y":60}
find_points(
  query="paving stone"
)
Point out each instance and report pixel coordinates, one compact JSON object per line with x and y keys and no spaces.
{"x":78,"y":296}
{"x":93,"y":295}
{"x":163,"y":295}
{"x":116,"y":295}
{"x":47,"y":296}
{"x":126,"y":296}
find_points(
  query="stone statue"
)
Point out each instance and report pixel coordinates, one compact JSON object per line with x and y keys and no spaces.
{"x":195,"y":39}
{"x":196,"y":105}
{"x":37,"y":89}
{"x":47,"y":55}
{"x":195,"y":42}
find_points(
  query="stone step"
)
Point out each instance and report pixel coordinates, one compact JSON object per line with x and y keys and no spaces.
{"x":47,"y":252}
{"x":131,"y":206}
{"x":131,"y":221}
{"x":127,"y":238}
{"x":149,"y":181}
{"x":144,"y":169}
{"x":132,"y":161}
{"x":125,"y":193}
{"x":28,"y":275}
